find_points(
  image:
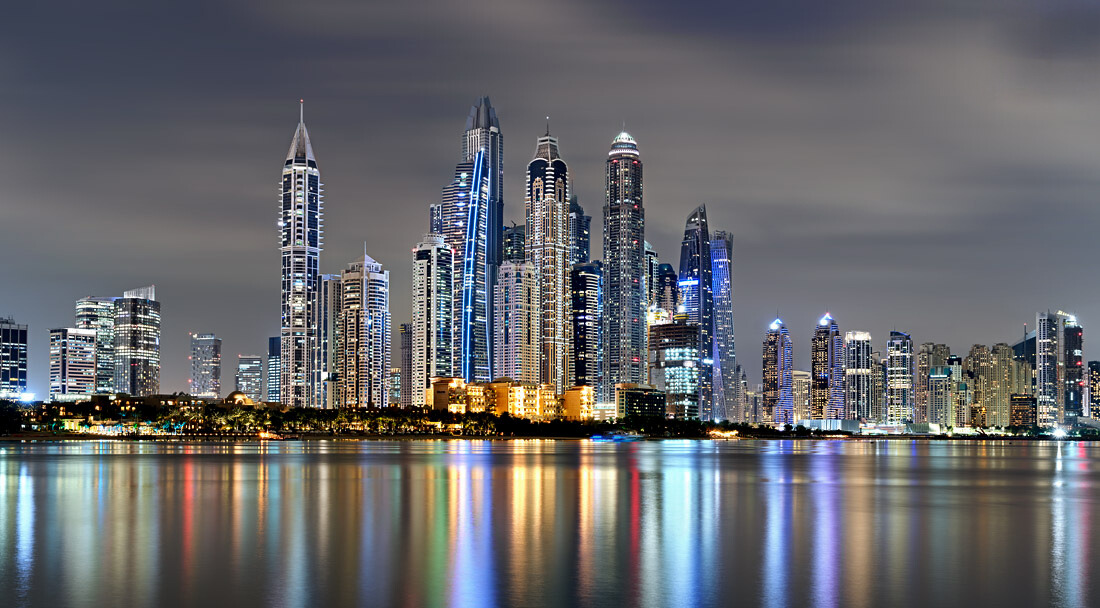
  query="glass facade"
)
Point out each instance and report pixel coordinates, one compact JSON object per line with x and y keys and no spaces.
{"x":137,"y":343}
{"x":206,"y":366}
{"x":697,"y":299}
{"x":250,"y":376}
{"x":586,"y":287}
{"x":13,"y":359}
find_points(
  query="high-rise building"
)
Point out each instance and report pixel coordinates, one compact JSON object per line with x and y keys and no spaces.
{"x":1058,"y":368}
{"x":206,"y":366}
{"x":727,"y":380}
{"x":859,"y":366}
{"x":978,"y":367}
{"x":99,"y":314}
{"x":435,"y":218}
{"x":137,"y":343}
{"x":878,"y":387}
{"x":586,"y":299}
{"x":515,"y":240}
{"x":432,"y":315}
{"x":516,"y":308}
{"x":698,"y":299}
{"x":929,"y":355}
{"x":625,"y":298}
{"x":580,"y":228}
{"x":668,"y":290}
{"x":13,"y":359}
{"x":827,"y":368}
{"x":652,"y":264}
{"x":547,"y":195}
{"x":301,"y":227}
{"x":395,"y":387}
{"x":327,"y":325}
{"x":941,"y":396}
{"x":72,"y":364}
{"x":1093,"y":386}
{"x":465,"y":212}
{"x":1073,"y":386}
{"x":899,"y":378}
{"x":274,"y":360}
{"x":363,"y":354}
{"x":961,"y":385}
{"x":801,"y":389}
{"x":674,"y":364}
{"x":778,"y":400}
{"x":406,"y":364}
{"x":1005,"y":383}
{"x":250,"y":377}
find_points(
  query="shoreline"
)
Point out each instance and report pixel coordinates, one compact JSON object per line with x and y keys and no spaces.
{"x":252,"y":438}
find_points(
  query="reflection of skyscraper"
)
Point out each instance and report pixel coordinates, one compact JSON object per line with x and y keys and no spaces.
{"x":778,"y":400}
{"x":899,"y":378}
{"x":859,"y":381}
{"x":580,"y":225}
{"x":547,"y":251}
{"x":300,"y":233}
{"x":697,"y":298}
{"x":827,"y":369}
{"x":432,"y":315}
{"x":206,"y":366}
{"x":137,"y":342}
{"x":624,"y":299}
{"x":586,"y":289}
{"x":726,"y":377}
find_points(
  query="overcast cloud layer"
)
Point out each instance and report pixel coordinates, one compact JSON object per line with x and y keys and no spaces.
{"x":932,"y":168}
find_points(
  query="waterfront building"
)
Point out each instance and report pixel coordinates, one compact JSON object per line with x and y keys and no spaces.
{"x":98,"y":313}
{"x":432,"y":315}
{"x":580,"y":227}
{"x":675,"y":360}
{"x":363,"y":354}
{"x":777,"y":397}
{"x":13,"y":359}
{"x":1093,"y":385}
{"x":928,"y":356}
{"x":899,"y":378}
{"x":516,"y":307}
{"x":515,"y":241}
{"x":827,"y":367}
{"x":206,"y":366}
{"x":1058,"y":368}
{"x":72,"y":364}
{"x":327,"y":326}
{"x":579,"y":403}
{"x":639,"y":400}
{"x":1073,"y":386}
{"x":668,"y":290}
{"x":978,"y":367}
{"x":652,"y":264}
{"x":405,"y":352}
{"x":547,"y":249}
{"x":963,"y":386}
{"x":625,"y":298}
{"x":1004,"y":383}
{"x":941,"y":396}
{"x":859,"y":364}
{"x":586,"y":300}
{"x":274,"y":360}
{"x":137,"y":343}
{"x":301,"y":228}
{"x":878,"y":387}
{"x":727,"y":378}
{"x":250,"y":377}
{"x":395,"y":387}
{"x":801,"y":389}
{"x":1023,"y":410}
{"x":698,"y":300}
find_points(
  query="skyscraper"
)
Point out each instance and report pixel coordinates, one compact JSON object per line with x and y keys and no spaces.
{"x":668,"y":290}
{"x":515,"y":303}
{"x":801,"y":390}
{"x":941,"y":396}
{"x":929,"y":356}
{"x":547,"y":194}
{"x":1058,"y":368}
{"x":274,"y":360}
{"x":99,"y":314}
{"x":72,"y":364}
{"x":586,"y":289}
{"x":363,"y":355}
{"x":698,"y":300}
{"x":1073,"y":386}
{"x":580,"y":227}
{"x":405,"y":352}
{"x":432,"y":315}
{"x":899,"y":378}
{"x":327,"y":325}
{"x":726,"y":377}
{"x":250,"y":376}
{"x":13,"y":359}
{"x":301,"y":240}
{"x":137,"y":342}
{"x":978,"y":367}
{"x":827,"y":369}
{"x":652,"y":265}
{"x":778,"y":400}
{"x":674,"y":357}
{"x":1094,"y":388}
{"x":625,"y":298}
{"x":859,"y":376}
{"x":515,"y":240}
{"x":206,"y":366}
{"x":1005,"y":384}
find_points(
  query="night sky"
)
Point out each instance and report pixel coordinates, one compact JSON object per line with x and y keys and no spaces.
{"x":933,"y":169}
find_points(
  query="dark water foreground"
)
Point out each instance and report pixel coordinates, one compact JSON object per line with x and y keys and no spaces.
{"x":530,"y":523}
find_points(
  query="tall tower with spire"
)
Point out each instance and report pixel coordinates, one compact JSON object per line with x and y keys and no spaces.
{"x":300,"y":229}
{"x":625,"y":300}
{"x":547,"y":249}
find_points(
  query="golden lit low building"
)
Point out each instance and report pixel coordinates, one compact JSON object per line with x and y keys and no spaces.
{"x":446,"y":394}
{"x":579,"y":403}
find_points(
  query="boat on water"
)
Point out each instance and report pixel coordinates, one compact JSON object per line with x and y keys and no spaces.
{"x":617,"y":436}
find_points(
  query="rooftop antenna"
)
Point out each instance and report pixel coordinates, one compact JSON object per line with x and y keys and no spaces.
{"x":548,"y":126}
{"x":301,"y":110}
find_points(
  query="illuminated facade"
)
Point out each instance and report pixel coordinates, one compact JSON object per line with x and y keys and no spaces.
{"x":652,"y":264}
{"x":432,"y":315}
{"x":515,"y":240}
{"x":206,"y":366}
{"x":72,"y":364}
{"x":899,"y":378}
{"x":726,"y":375}
{"x":300,"y":233}
{"x":516,"y":308}
{"x":777,"y":405}
{"x":580,"y":228}
{"x":675,"y":360}
{"x":697,"y":299}
{"x":978,"y":367}
{"x":363,"y":351}
{"x":99,"y":314}
{"x":1059,"y":368}
{"x":327,"y":326}
{"x":668,"y":290}
{"x":250,"y":377}
{"x":859,"y":372}
{"x":941,"y":396}
{"x":547,"y":249}
{"x":13,"y":359}
{"x":137,"y":343}
{"x":827,"y":368}
{"x":929,"y":355}
{"x":625,"y":298}
{"x":586,"y":303}
{"x":1073,"y":385}
{"x":405,"y":364}
{"x":801,"y":390}
{"x":274,"y":360}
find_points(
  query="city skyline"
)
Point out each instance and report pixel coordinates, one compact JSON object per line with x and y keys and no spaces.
{"x":897,"y":189}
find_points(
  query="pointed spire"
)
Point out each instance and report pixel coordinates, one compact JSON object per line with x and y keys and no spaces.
{"x":301,"y":151}
{"x":548,"y":126}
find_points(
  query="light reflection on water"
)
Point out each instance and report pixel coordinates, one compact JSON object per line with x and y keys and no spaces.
{"x":479,"y":523}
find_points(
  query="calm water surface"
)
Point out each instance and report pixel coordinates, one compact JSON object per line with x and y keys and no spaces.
{"x":543,"y":523}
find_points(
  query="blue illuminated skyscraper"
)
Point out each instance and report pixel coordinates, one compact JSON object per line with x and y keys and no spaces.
{"x":778,"y":406}
{"x":827,"y":371}
{"x":300,"y":232}
{"x":727,"y":380}
{"x":697,"y":298}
